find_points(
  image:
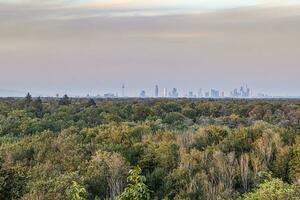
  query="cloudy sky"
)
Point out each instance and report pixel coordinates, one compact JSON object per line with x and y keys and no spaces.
{"x":94,"y":46}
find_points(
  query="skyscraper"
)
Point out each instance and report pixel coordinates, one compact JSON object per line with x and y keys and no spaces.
{"x":243,"y":92}
{"x":123,"y":90}
{"x":165,"y":92}
{"x":156,"y":91}
{"x":215,"y":93}
{"x":143,"y":94}
{"x":248,"y":92}
{"x":206,"y":94}
{"x":200,"y":93}
{"x":174,"y":93}
{"x":222,"y":94}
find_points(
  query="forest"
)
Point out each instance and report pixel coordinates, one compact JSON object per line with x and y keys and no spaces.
{"x":141,"y":149}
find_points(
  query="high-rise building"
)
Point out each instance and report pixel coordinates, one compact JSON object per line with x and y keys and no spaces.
{"x":248,"y":91}
{"x":123,"y":90}
{"x":222,"y":94}
{"x":206,"y":94}
{"x":156,"y":91}
{"x":215,"y":93}
{"x":165,"y":92}
{"x":109,"y":95}
{"x":174,"y":93}
{"x":243,"y":92}
{"x":143,"y":94}
{"x":200,"y":93}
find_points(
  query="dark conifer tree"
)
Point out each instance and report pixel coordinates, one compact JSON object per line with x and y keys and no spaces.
{"x":65,"y":100}
{"x":37,"y":104}
{"x":91,"y":102}
{"x":27,"y":101}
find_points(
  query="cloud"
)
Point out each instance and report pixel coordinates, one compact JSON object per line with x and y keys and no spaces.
{"x":172,"y":35}
{"x":143,"y":4}
{"x":72,"y":9}
{"x":278,"y":2}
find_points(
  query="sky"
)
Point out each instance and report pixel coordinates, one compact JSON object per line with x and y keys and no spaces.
{"x":92,"y":47}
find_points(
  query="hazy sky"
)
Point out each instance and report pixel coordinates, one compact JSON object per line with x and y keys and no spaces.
{"x":93,"y":46}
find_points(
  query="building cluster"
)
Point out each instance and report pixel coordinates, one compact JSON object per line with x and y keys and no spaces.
{"x":174,"y":93}
{"x":110,"y":95}
{"x":242,"y":92}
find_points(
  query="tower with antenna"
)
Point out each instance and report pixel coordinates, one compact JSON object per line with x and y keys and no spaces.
{"x":123,"y":90}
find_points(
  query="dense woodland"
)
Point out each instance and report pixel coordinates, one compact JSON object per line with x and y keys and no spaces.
{"x":135,"y":149}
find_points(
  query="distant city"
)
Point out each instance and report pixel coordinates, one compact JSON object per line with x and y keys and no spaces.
{"x":241,"y":92}
{"x":163,"y":92}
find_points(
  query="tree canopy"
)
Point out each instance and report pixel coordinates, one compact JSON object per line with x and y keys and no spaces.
{"x":68,"y":148}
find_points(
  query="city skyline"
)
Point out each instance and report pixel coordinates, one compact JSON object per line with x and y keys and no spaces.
{"x":241,"y":92}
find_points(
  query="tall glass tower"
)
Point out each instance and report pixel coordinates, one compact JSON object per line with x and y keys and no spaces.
{"x":156,"y":91}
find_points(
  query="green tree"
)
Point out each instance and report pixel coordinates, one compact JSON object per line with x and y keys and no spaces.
{"x":27,"y":100}
{"x":177,"y":182}
{"x":38,"y":107}
{"x":76,"y":192}
{"x":140,"y":112}
{"x":12,"y":184}
{"x":91,"y":102}
{"x":274,"y":189}
{"x":136,"y":188}
{"x":294,"y":164}
{"x":174,"y":118}
{"x":65,"y":101}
